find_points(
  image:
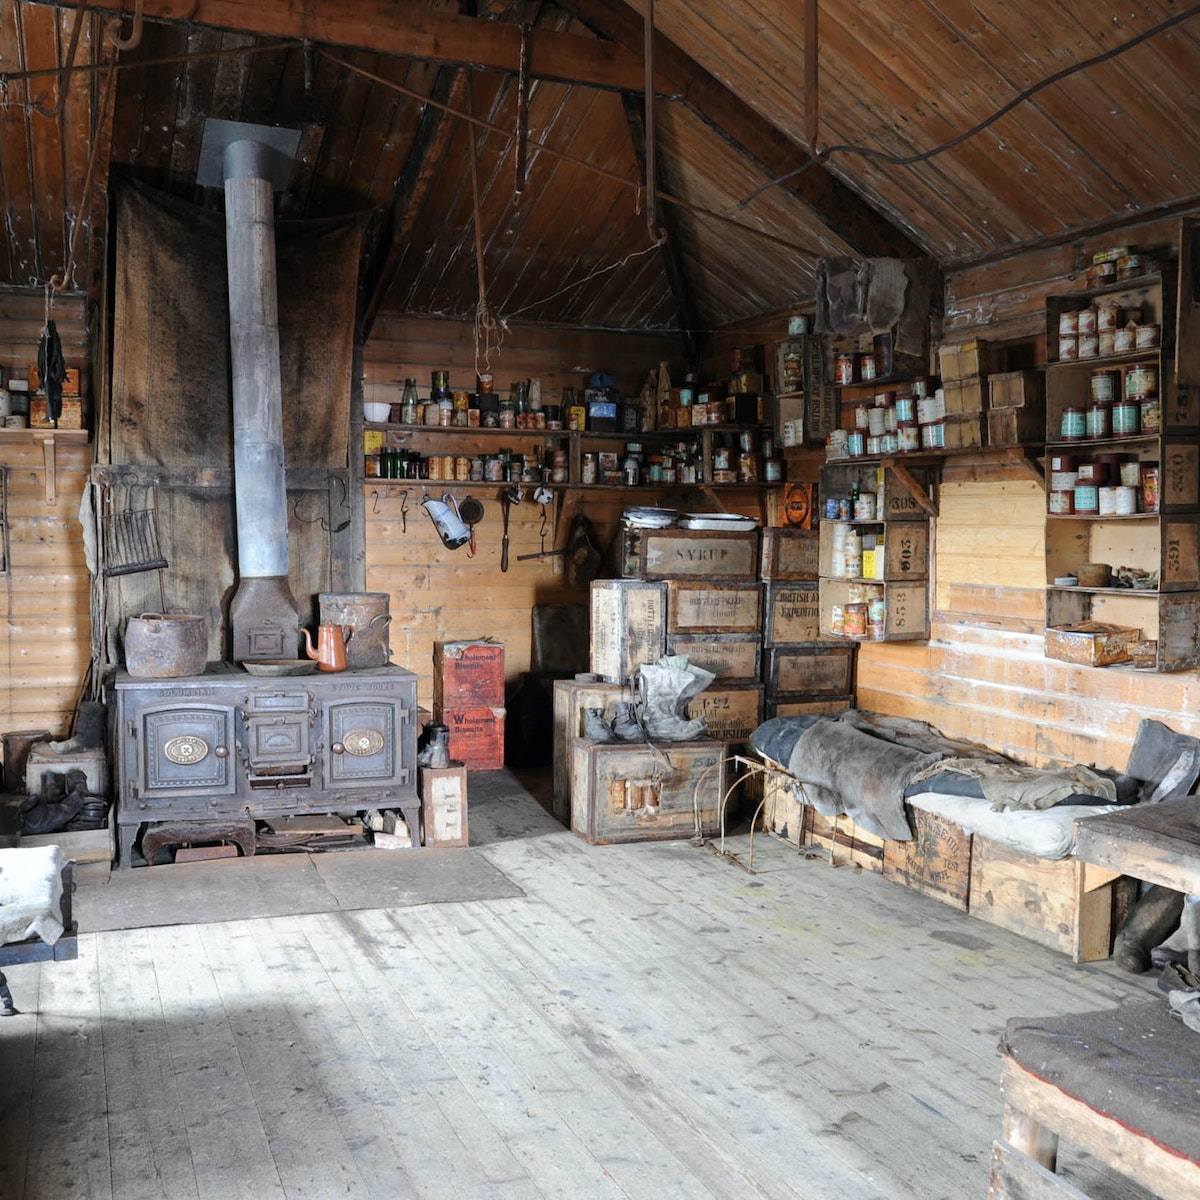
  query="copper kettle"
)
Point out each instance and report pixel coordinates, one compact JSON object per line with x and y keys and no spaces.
{"x":331,"y":646}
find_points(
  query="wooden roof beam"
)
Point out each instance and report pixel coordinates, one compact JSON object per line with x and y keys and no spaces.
{"x":841,"y":209}
{"x":405,"y":29}
{"x":685,"y":310}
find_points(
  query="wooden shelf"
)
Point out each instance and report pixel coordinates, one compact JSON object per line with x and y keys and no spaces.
{"x":50,"y":439}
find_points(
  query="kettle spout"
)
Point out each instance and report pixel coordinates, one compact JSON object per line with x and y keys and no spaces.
{"x":308,"y":646}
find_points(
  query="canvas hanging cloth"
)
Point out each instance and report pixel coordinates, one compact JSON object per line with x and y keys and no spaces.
{"x":52,"y":369}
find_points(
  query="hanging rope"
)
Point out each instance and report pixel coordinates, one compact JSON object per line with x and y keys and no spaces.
{"x":485,"y":323}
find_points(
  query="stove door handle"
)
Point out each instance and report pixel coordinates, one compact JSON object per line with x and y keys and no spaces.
{"x":338,"y":748}
{"x":222,"y":751}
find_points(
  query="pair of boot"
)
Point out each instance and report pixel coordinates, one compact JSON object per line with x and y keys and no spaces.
{"x":665,"y":687}
{"x":61,"y":800}
{"x":624,"y":727}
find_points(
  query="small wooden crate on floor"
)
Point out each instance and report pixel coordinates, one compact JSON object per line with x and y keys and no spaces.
{"x":630,"y":792}
{"x":937,"y":862}
{"x":444,"y":805}
{"x":468,"y":675}
{"x":1064,"y":904}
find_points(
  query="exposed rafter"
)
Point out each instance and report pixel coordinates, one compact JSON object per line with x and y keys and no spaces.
{"x":407,"y":30}
{"x":842,"y":210}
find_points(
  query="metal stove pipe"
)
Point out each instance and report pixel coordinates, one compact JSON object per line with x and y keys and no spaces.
{"x":264,"y":615}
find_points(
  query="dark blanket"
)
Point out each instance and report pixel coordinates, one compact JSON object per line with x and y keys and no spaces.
{"x":845,"y":771}
{"x":1137,"y":1064}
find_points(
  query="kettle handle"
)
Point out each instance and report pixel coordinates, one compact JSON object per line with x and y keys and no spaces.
{"x":449,"y":500}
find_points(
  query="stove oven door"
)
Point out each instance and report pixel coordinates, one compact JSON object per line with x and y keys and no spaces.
{"x":185,"y":757}
{"x":366,"y":740}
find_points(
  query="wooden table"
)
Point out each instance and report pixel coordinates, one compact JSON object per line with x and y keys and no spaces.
{"x":1159,"y":843}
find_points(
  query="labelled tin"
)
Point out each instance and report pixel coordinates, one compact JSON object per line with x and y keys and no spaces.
{"x":1087,"y":498}
{"x":1068,"y":323}
{"x":1108,"y":316}
{"x":1089,"y":345}
{"x":1087,"y":321}
{"x":1062,"y":504}
{"x":1141,"y":379}
{"x":1068,"y":348}
{"x":1126,"y":418}
{"x":1073,"y":426}
{"x":1124,"y":340}
{"x":1146,"y":337}
{"x":1105,"y":384}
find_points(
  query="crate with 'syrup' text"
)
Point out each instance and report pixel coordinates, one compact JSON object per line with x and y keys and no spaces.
{"x":698,"y":554}
{"x":444,"y":805}
{"x":812,"y":670}
{"x":628,"y":626}
{"x":731,"y":714}
{"x":793,"y":613}
{"x":631,"y":792}
{"x":713,"y":607}
{"x":468,"y":674}
{"x":790,"y":554}
{"x":731,"y":657}
{"x":476,"y":736}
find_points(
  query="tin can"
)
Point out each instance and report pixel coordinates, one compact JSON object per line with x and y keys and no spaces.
{"x":920,"y":386}
{"x":1061,"y":503}
{"x":864,"y":508}
{"x":1127,"y":498}
{"x":906,"y":409}
{"x":831,"y":508}
{"x":772,"y":471}
{"x":843,"y":512}
{"x":1146,"y":337}
{"x":933,"y":436}
{"x":475,"y":474}
{"x":436,"y":467}
{"x":1063,"y":462}
{"x":890,"y":443}
{"x":837,"y":620}
{"x":1141,"y":379}
{"x":493,"y":469}
{"x":1106,"y":505}
{"x":876,"y":422}
{"x":862,"y":417}
{"x":588,"y":469}
{"x":855,"y":620}
{"x":1089,"y":345}
{"x":1105,"y":384}
{"x":1068,"y":348}
{"x":1126,"y":418}
{"x":1124,"y":340}
{"x":462,"y":468}
{"x":1087,"y":498}
{"x":927,"y":410}
{"x":1073,"y":426}
{"x":866,"y":367}
{"x":1063,"y":481}
{"x":909,"y":435}
{"x":1151,"y":414}
{"x":874,"y":445}
{"x":1068,"y":323}
{"x":1107,"y":339}
{"x":577,"y":417}
{"x":1108,"y":316}
{"x":1150,"y":479}
{"x":856,"y":444}
{"x":1098,"y":422}
{"x":843,"y":368}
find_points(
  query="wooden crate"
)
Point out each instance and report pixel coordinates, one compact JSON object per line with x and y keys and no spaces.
{"x":961,"y":360}
{"x":845,"y":838}
{"x":443,"y":793}
{"x":713,"y":607}
{"x":571,"y":699}
{"x":731,"y":714}
{"x":698,"y":554}
{"x":964,"y":431}
{"x":792,"y":613}
{"x":731,"y":657}
{"x":1061,"y":903}
{"x":897,"y":504}
{"x":476,"y":737}
{"x":793,"y":506}
{"x":964,"y":396}
{"x":1015,"y":426}
{"x":625,"y":792}
{"x":1090,"y":643}
{"x":792,"y":706}
{"x":811,"y":671}
{"x":790,"y":554}
{"x":1018,"y":389}
{"x":904,"y":546}
{"x":468,"y":674}
{"x":906,"y":615}
{"x":937,"y":862}
{"x":628,"y":626}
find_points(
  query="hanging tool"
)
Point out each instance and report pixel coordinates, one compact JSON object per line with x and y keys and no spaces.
{"x":511,"y":496}
{"x":543,"y":496}
{"x":471,"y":511}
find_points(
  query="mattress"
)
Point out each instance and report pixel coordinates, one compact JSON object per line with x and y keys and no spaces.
{"x":1042,"y":833}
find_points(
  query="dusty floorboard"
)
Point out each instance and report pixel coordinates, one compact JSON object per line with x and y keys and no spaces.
{"x":621,"y":1021}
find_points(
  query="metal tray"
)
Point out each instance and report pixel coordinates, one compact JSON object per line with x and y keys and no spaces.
{"x":276,"y":667}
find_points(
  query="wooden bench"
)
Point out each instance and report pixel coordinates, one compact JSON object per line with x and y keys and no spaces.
{"x":1122,"y":1084}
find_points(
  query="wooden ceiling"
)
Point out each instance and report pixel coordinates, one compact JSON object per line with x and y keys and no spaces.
{"x":410,"y":111}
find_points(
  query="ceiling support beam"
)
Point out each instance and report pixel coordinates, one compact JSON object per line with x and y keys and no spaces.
{"x":842,"y":210}
{"x":404,"y":29}
{"x":685,"y":310}
{"x":413,"y":185}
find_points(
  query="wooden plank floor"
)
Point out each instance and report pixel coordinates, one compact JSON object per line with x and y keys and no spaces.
{"x":644,"y":1021}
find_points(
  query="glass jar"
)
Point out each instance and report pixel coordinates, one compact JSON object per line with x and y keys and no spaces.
{"x":410,"y":409}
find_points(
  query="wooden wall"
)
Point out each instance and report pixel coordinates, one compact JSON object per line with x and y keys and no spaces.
{"x":44,"y":595}
{"x":983,"y":673}
{"x":443,"y":595}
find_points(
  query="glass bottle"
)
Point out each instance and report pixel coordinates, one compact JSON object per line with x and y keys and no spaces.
{"x":409,"y":404}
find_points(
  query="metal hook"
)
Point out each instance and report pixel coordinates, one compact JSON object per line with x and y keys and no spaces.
{"x":135,"y":36}
{"x":404,"y":511}
{"x":543,"y":529}
{"x":375,"y":503}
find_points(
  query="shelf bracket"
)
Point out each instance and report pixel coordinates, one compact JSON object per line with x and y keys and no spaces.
{"x":1031,"y":465}
{"x":47,"y":440}
{"x":915,"y":490}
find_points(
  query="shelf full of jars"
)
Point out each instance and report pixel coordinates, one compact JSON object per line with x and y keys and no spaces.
{"x":1123,"y":466}
{"x":889,"y":404}
{"x":460,"y":437}
{"x":874,"y":553}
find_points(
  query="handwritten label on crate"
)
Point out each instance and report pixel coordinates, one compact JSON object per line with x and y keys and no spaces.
{"x":1180,"y":487}
{"x":793,"y":614}
{"x":731,"y":714}
{"x":717,"y":608}
{"x":907,"y":554}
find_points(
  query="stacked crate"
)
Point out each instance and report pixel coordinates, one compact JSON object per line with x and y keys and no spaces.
{"x":802,"y":672}
{"x":1016,"y":409}
{"x":965,"y":367}
{"x":468,"y":698}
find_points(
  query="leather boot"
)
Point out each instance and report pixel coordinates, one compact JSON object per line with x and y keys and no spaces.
{"x":625,"y":723}
{"x":595,"y":727}
{"x":1154,"y":918}
{"x":666,"y":686}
